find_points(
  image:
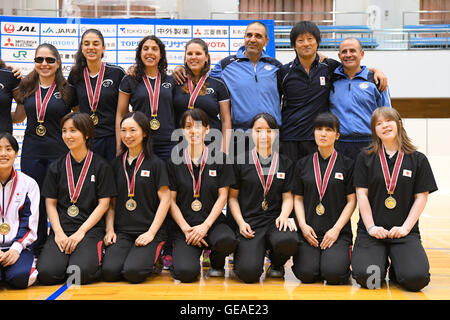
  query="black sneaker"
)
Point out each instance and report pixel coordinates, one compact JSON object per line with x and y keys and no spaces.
{"x":275,"y":272}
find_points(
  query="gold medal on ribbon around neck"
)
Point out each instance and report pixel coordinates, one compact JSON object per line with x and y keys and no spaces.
{"x":131,"y":204}
{"x":4,"y":229}
{"x":264,"y":205}
{"x":41,"y":130}
{"x":73,"y":211}
{"x":196,"y":205}
{"x":390,"y":202}
{"x":94,"y":118}
{"x":320,"y":209}
{"x":154,"y":124}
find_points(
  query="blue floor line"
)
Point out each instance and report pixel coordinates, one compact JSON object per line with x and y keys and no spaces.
{"x":58,"y":292}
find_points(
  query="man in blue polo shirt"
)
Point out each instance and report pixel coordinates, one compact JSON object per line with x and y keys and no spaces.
{"x":353,"y":98}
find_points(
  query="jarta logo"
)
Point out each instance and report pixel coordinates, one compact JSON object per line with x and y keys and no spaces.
{"x":60,"y":30}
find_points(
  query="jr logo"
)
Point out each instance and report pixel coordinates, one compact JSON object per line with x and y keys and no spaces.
{"x":21,"y":55}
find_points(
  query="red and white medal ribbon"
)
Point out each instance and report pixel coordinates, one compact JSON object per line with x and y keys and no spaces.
{"x":14,"y":177}
{"x":41,"y":106}
{"x":94,"y":96}
{"x":196,"y":183}
{"x":273,"y":167}
{"x":74,"y":191}
{"x":153,"y":94}
{"x":130,"y":185}
{"x":322,"y":185}
{"x":195,"y":91}
{"x":390,"y":180}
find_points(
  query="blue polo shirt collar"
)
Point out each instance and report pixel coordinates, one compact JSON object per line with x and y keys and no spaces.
{"x":241,"y":55}
{"x":362,"y":74}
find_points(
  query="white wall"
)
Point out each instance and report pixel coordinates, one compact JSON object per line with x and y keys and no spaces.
{"x":413,"y":74}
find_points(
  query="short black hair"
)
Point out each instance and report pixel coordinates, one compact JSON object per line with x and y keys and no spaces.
{"x":303,"y":27}
{"x":143,"y":122}
{"x":83,"y":123}
{"x":12,"y":141}
{"x":327,"y":119}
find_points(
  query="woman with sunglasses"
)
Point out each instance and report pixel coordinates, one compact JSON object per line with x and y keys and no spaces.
{"x":97,"y":90}
{"x":150,"y":90}
{"x":261,"y":201}
{"x":45,"y":97}
{"x":204,"y":92}
{"x":19,"y":207}
{"x":199,"y":189}
{"x":77,"y":188}
{"x":393,"y":181}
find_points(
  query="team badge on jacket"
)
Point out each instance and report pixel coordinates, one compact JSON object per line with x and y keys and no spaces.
{"x":145,"y":173}
{"x":339,"y":176}
{"x":407,"y":173}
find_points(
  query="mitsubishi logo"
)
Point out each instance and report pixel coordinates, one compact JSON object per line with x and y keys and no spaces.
{"x":9,"y":43}
{"x":197,"y":32}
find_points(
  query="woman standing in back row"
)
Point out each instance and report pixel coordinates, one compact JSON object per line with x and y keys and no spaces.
{"x":97,"y":90}
{"x":45,"y":97}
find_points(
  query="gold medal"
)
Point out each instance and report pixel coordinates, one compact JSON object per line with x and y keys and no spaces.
{"x":41,"y":130}
{"x":320,"y":209}
{"x":265,"y":205}
{"x":196,"y":205}
{"x":73,"y":211}
{"x":4,"y":229}
{"x":390,"y":202}
{"x":154,"y":124}
{"x":190,"y":107}
{"x":131,"y":204}
{"x":94,"y":118}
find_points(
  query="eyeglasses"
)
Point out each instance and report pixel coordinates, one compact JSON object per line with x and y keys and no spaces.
{"x":49,"y":60}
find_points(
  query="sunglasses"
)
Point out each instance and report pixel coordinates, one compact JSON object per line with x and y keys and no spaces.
{"x":49,"y":60}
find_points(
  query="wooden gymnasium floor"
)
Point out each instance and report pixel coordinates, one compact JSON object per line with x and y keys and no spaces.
{"x":434,"y":225}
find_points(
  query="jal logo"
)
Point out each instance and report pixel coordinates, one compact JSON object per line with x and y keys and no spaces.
{"x":9,"y":43}
{"x":107,"y":83}
{"x":9,"y":28}
{"x":20,"y":55}
{"x":166,"y":85}
{"x":209,"y":90}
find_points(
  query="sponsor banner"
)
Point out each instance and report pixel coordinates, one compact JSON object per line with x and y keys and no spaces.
{"x":210,"y":31}
{"x":15,"y":41}
{"x":124,"y":43}
{"x":170,"y":31}
{"x":238,"y":31}
{"x":107,"y":30}
{"x":136,"y":30}
{"x":20,"y":28}
{"x":59,"y":30}
{"x":235,"y":44}
{"x":62,"y":43}
{"x":18,"y":55}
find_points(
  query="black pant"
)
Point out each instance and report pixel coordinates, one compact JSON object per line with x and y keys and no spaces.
{"x":186,"y":258}
{"x":313,"y":264}
{"x":249,"y":256}
{"x":134,"y":263}
{"x":52,"y":263}
{"x":351,"y":149}
{"x":407,"y":257}
{"x":296,"y":150}
{"x":37,"y":169}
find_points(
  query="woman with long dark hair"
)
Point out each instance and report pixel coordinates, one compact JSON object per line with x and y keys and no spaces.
{"x":97,"y":90}
{"x":77,"y":188}
{"x":150,"y":90}
{"x":393,"y":181}
{"x":45,"y":97}
{"x":204,"y":92}
{"x":134,"y":237}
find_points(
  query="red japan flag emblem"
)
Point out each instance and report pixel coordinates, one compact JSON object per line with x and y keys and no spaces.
{"x":339,"y":176}
{"x":145,"y":173}
{"x":212,"y":173}
{"x":407,"y":173}
{"x":281,"y":175}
